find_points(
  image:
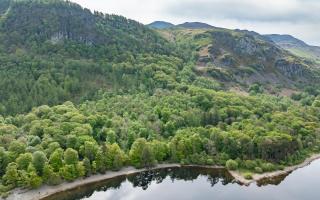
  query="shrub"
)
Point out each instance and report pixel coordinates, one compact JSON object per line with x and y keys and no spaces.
{"x":258,"y":170}
{"x":209,"y":161}
{"x":5,"y":195}
{"x":222,"y":158}
{"x":250,"y":164}
{"x":248,"y":176}
{"x":267,"y":167}
{"x":232,"y":165}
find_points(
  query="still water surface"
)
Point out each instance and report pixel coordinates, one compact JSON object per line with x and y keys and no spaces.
{"x":200,"y":184}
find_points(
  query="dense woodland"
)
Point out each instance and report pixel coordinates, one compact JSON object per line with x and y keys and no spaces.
{"x":53,"y":51}
{"x":96,"y":92}
{"x":259,"y":133}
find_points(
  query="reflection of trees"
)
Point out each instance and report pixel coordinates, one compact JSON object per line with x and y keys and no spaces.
{"x":144,"y":179}
{"x":184,"y":173}
{"x":272,"y":181}
{"x":213,"y":180}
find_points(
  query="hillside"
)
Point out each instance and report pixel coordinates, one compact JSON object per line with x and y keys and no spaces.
{"x":53,"y":51}
{"x":296,"y":46}
{"x":194,"y":25}
{"x":187,"y":25}
{"x":240,"y":58}
{"x":160,"y":25}
{"x":82,"y":93}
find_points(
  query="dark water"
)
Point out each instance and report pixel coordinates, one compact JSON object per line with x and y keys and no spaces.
{"x":200,"y":184}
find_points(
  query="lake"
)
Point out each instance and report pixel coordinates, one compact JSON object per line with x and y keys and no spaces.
{"x":189,"y":183}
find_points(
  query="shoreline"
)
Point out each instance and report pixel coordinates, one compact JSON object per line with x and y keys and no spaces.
{"x":46,"y":191}
{"x":258,"y":177}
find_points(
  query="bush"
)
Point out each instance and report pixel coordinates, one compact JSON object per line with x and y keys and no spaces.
{"x":250,"y":164}
{"x":248,"y":176}
{"x":258,"y":170}
{"x":209,"y":161}
{"x":55,"y":179}
{"x":5,"y":195}
{"x":232,"y":165}
{"x":267,"y":167}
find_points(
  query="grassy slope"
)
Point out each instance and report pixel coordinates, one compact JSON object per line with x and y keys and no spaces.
{"x":305,"y":54}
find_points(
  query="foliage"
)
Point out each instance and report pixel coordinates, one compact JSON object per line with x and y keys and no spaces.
{"x":130,"y":98}
{"x":38,"y":161}
{"x":232,"y":165}
{"x":247,"y":176}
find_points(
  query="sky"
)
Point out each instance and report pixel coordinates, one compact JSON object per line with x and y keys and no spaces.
{"x":300,"y":18}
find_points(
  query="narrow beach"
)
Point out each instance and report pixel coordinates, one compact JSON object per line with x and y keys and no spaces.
{"x":46,"y":191}
{"x":257,"y":177}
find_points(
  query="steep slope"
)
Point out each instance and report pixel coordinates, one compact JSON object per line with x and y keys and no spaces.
{"x":52,"y":51}
{"x":296,"y":46}
{"x":52,"y":22}
{"x":241,"y":58}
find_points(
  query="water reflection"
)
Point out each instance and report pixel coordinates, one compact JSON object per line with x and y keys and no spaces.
{"x":197,"y":183}
{"x":144,"y":179}
{"x":272,"y":180}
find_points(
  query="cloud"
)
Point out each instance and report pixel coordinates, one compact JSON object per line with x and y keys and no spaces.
{"x":300,"y":18}
{"x":293,"y":11}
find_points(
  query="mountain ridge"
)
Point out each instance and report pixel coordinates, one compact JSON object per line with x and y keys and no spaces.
{"x":296,"y":46}
{"x":190,"y":25}
{"x":160,"y":25}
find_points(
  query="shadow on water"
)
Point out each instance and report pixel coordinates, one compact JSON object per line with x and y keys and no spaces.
{"x":272,"y":180}
{"x":145,"y":179}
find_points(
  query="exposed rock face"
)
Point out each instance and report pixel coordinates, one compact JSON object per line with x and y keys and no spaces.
{"x":61,"y":36}
{"x":228,"y":60}
{"x":246,"y":45}
{"x":291,"y":69}
{"x":246,"y":57}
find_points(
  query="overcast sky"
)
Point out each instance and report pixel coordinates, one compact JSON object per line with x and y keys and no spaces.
{"x":300,"y":18}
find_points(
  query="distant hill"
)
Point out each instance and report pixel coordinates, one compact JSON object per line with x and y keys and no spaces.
{"x":286,"y":40}
{"x":195,"y":25}
{"x":296,"y":46}
{"x":160,"y":25}
{"x":187,"y":25}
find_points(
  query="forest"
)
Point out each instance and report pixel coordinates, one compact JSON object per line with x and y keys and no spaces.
{"x":89,"y":93}
{"x":260,"y":133}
